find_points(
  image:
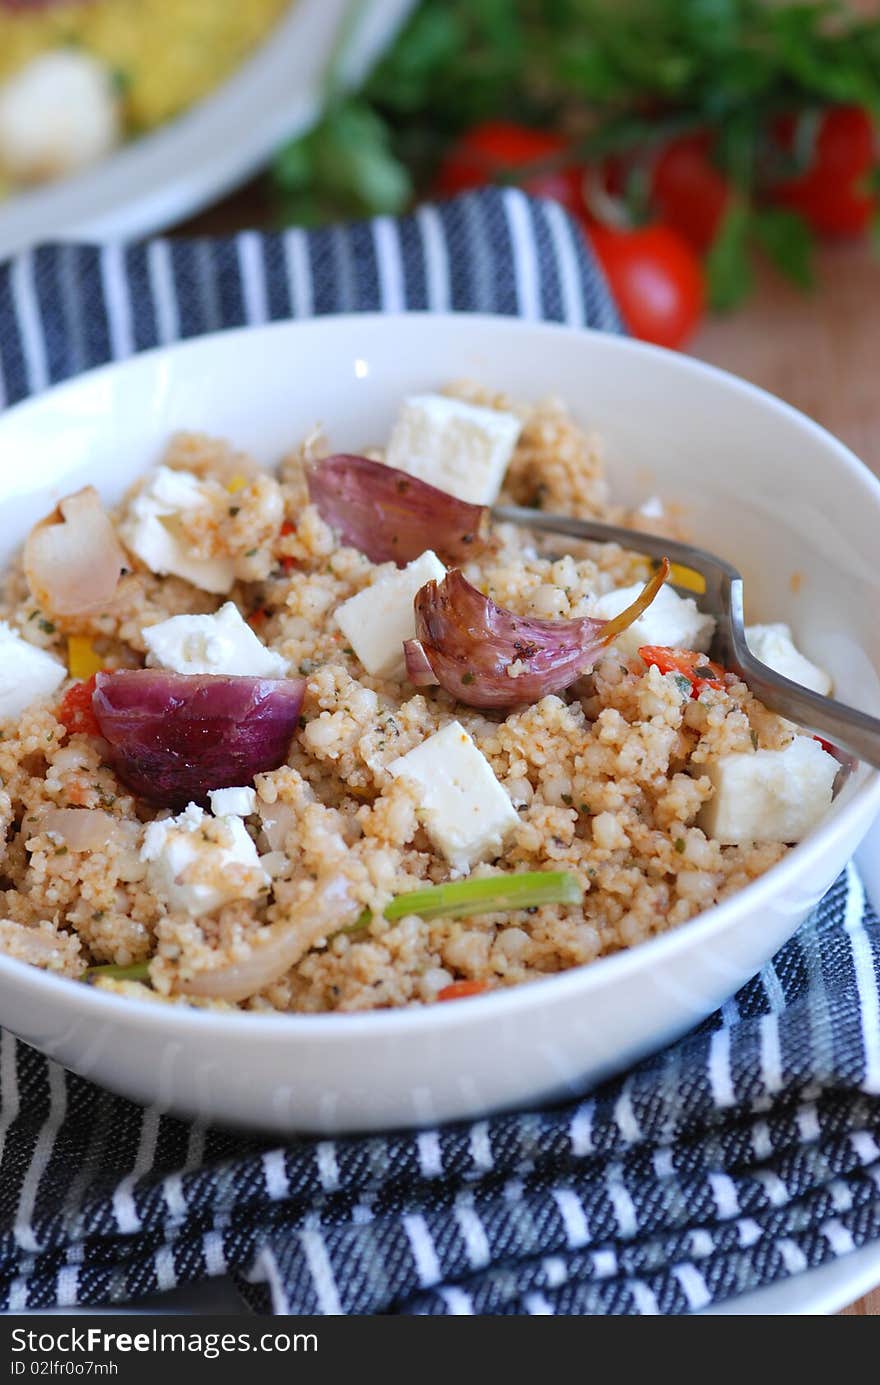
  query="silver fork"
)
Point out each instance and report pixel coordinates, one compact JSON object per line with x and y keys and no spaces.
{"x":843,"y":726}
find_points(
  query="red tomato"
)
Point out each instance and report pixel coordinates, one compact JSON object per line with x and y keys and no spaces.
{"x":688,"y":192}
{"x":497,"y":148}
{"x":459,"y":989}
{"x":833,"y":194}
{"x":656,"y":280}
{"x":75,"y":710}
{"x":696,"y":668}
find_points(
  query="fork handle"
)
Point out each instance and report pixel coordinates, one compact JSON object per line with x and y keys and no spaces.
{"x":843,"y":726}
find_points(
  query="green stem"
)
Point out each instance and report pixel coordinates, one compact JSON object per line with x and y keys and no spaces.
{"x":489,"y":894}
{"x":136,"y":971}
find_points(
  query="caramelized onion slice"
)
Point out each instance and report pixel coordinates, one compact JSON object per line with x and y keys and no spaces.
{"x":391,"y":516}
{"x":328,"y":910}
{"x":80,"y":829}
{"x":72,"y":558}
{"x":175,"y":736}
{"x":488,"y":657}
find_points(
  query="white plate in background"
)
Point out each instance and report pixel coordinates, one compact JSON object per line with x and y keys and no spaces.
{"x":180,"y":167}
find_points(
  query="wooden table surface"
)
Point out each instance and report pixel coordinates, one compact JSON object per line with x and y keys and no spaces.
{"x":820,"y":352}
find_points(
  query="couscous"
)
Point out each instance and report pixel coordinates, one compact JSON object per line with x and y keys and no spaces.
{"x":327,"y":739}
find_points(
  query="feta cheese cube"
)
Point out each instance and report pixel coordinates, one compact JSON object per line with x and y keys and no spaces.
{"x":455,"y":446}
{"x":774,"y":646}
{"x":196,"y":863}
{"x":219,"y":643}
{"x":378,"y":620}
{"x":670,"y":620}
{"x":769,"y":795}
{"x":151,"y":530}
{"x":237,"y":802}
{"x":26,"y":672}
{"x":58,"y":113}
{"x":652,"y":508}
{"x":464,"y":809}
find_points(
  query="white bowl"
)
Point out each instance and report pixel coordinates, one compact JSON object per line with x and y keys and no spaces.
{"x":758,"y":482}
{"x":185,"y":164}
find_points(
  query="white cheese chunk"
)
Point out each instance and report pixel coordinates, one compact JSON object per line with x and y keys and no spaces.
{"x":464,"y":809}
{"x":458,"y":447}
{"x":26,"y":672}
{"x":670,"y":620}
{"x":234,"y":802}
{"x":774,"y":646}
{"x":652,"y":508}
{"x":58,"y":113}
{"x":769,"y":795}
{"x":378,"y":620}
{"x":196,"y":863}
{"x":151,"y":530}
{"x":219,"y":643}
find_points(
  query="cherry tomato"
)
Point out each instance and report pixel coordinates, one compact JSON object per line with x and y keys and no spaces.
{"x":688,"y":192}
{"x":493,"y":151}
{"x":75,"y":711}
{"x":687,"y":663}
{"x":656,"y":280}
{"x":458,"y":990}
{"x":833,"y":193}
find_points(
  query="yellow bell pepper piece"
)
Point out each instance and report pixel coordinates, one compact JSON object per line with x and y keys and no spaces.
{"x":686,"y":577}
{"x":82,"y":660}
{"x":236,"y":483}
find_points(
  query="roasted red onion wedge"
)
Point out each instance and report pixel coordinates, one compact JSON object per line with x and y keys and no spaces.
{"x":393,"y":517}
{"x":174,"y":736}
{"x":488,"y":657}
{"x":72,"y":558}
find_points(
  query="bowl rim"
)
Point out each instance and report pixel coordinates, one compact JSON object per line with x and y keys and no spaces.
{"x":333,"y":1026}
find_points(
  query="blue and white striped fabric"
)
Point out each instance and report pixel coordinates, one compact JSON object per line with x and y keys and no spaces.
{"x":748,"y":1152}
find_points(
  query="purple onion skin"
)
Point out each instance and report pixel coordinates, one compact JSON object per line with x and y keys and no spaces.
{"x":393,"y":517}
{"x":175,"y":736}
{"x":469,"y":643}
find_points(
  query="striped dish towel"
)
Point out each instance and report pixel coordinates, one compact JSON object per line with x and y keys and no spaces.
{"x":748,"y":1152}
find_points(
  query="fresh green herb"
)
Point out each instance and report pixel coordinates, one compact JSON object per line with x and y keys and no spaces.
{"x":680,"y":845}
{"x":489,"y":894}
{"x":47,"y":626}
{"x":685,"y":686}
{"x":137,"y":971}
{"x":251,"y":553}
{"x":468,"y":678}
{"x":566,"y":798}
{"x":121,"y":80}
{"x":754,"y":736}
{"x":617,"y":79}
